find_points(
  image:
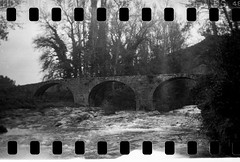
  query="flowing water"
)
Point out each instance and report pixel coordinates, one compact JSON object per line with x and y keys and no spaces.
{"x":91,"y":125}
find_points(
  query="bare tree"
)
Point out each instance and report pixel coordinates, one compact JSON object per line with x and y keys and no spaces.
{"x":113,"y":47}
{"x":5,"y":25}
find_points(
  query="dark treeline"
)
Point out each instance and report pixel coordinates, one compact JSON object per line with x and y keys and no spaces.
{"x":218,"y":94}
{"x":6,"y":82}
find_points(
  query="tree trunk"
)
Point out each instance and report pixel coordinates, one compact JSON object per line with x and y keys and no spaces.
{"x":228,"y":19}
{"x":213,"y":24}
{"x":93,"y":37}
{"x":102,"y":44}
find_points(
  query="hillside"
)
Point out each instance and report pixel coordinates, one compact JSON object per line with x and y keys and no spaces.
{"x":196,"y":58}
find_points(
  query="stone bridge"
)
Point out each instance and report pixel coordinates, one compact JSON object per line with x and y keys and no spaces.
{"x":143,"y":86}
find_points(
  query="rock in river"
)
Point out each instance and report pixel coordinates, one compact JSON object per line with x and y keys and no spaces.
{"x":83,"y":116}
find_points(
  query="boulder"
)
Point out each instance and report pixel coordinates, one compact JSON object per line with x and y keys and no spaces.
{"x":83,"y":116}
{"x":62,"y":122}
{"x":153,"y":113}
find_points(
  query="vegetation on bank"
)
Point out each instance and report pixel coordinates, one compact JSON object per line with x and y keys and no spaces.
{"x":11,"y":102}
{"x":219,"y":94}
{"x":10,"y":99}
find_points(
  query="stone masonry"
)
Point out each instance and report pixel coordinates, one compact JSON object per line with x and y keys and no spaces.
{"x":142,"y":85}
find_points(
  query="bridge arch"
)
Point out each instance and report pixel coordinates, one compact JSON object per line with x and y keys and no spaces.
{"x":40,"y":91}
{"x":43,"y":88}
{"x":100,"y":93}
{"x":172,"y":93}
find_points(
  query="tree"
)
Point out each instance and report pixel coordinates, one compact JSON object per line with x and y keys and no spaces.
{"x":70,"y":48}
{"x":5,"y":25}
{"x":59,"y":57}
{"x":6,"y":82}
{"x":221,"y":27}
{"x":219,"y":93}
{"x":166,"y":39}
{"x":113,"y":47}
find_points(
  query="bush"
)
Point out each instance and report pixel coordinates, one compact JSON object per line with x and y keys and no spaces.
{"x":219,"y":100}
{"x":6,"y":82}
{"x":13,"y":98}
{"x":16,"y":102}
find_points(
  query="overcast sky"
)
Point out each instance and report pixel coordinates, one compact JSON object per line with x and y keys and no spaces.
{"x":19,"y":60}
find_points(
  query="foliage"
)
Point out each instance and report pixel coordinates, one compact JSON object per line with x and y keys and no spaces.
{"x":6,"y":82}
{"x":113,"y":47}
{"x":225,"y":24}
{"x":10,"y":100}
{"x":5,"y":25}
{"x":14,"y":98}
{"x":219,"y":100}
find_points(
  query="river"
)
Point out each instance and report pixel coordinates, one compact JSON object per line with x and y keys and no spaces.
{"x":91,"y":125}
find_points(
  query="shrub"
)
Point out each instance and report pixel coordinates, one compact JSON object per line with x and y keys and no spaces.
{"x":219,"y":100}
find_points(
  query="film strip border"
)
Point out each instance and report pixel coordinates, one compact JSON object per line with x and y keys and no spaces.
{"x":214,"y":148}
{"x":123,"y":14}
